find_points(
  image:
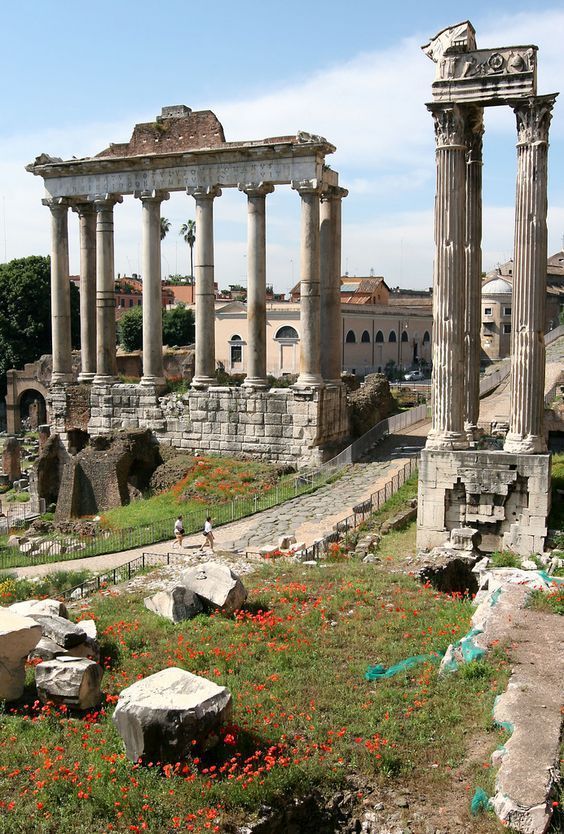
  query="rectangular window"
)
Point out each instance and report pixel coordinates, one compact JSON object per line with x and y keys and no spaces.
{"x":507,"y":328}
{"x":487,"y":311}
{"x":131,"y":302}
{"x":236,"y":354}
{"x":507,"y":311}
{"x":122,"y":302}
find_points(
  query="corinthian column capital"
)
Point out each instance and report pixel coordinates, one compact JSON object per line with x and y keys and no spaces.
{"x":533,"y":118}
{"x":474,"y":133}
{"x":449,"y":125}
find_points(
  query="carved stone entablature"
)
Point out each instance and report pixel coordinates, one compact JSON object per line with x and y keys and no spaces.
{"x":486,"y":76}
{"x":450,"y":124}
{"x":533,"y":118}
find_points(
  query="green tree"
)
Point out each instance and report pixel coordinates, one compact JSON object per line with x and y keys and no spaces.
{"x":165,"y":227}
{"x":130,"y":329}
{"x":25,"y":313}
{"x":188,"y":232}
{"x":178,"y":326}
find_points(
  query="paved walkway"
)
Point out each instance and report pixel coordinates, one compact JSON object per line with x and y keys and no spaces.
{"x":307,"y":517}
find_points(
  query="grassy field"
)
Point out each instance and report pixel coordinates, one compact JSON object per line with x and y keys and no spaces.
{"x":304,"y":715}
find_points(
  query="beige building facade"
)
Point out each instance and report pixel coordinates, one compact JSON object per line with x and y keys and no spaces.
{"x":370,"y":337}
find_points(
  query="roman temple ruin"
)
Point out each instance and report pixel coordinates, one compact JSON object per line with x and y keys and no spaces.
{"x":503,"y":494}
{"x":186,"y":151}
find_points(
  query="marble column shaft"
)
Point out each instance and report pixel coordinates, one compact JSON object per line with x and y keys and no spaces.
{"x":256,"y":283}
{"x":447,"y":428}
{"x":87,"y":231}
{"x":526,"y":407}
{"x":330,"y":283}
{"x":310,"y":338}
{"x":205,"y":291}
{"x":60,"y":292}
{"x":153,"y":369}
{"x":106,"y":368}
{"x":473,"y":272}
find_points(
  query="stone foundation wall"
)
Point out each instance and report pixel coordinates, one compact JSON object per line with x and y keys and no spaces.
{"x":281,"y":424}
{"x":506,"y":497}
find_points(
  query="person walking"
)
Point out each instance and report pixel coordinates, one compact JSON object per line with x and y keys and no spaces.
{"x":208,"y":533}
{"x":178,"y":531}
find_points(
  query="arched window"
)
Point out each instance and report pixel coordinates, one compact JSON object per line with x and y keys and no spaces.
{"x":379,"y":336}
{"x":236,"y":345}
{"x":392,"y":337}
{"x":350,"y":337}
{"x":404,"y":336}
{"x":426,"y":337}
{"x":365,"y":336}
{"x":286,"y":332}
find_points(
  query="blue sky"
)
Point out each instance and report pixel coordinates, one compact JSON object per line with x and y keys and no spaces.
{"x":73,"y":78}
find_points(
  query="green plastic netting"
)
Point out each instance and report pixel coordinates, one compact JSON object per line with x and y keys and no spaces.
{"x":379,"y":671}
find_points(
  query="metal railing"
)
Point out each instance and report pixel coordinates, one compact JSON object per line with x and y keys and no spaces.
{"x":362,"y":445}
{"x":69,"y":547}
{"x":362,"y":511}
{"x":121,"y":573}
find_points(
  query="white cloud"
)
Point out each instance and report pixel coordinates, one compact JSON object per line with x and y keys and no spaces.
{"x":372,"y":108}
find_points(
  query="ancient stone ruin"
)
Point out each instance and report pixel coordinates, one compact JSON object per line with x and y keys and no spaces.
{"x":186,"y":151}
{"x":505,"y":494}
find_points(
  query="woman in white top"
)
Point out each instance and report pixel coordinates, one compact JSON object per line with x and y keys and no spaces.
{"x":179,"y":531}
{"x":208,"y":534}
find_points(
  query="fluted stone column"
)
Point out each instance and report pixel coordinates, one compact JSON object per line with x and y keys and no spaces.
{"x":330,"y":283}
{"x":526,"y":408}
{"x":256,"y":283}
{"x":310,"y":340}
{"x":473,"y":273}
{"x":106,"y":368}
{"x":153,"y":369}
{"x":447,"y":428}
{"x":60,"y":292}
{"x":205,"y":294}
{"x":87,"y":230}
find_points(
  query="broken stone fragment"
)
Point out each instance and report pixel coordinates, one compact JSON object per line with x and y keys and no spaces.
{"x":69,"y":680}
{"x":217,"y":586}
{"x":61,"y":631}
{"x":30,"y":607}
{"x":175,"y":604}
{"x":161,"y":716}
{"x":18,"y":636}
{"x":46,"y":649}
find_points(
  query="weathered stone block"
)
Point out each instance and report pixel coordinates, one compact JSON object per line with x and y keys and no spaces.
{"x":18,"y":636}
{"x":176,"y":604}
{"x":162,"y":716}
{"x":216,"y":585}
{"x":69,"y":680}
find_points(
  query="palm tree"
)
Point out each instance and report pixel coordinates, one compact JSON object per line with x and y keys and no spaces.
{"x":188,"y":232}
{"x":165,"y":227}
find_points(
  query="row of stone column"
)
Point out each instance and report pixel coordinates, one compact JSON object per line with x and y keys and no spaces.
{"x":320,"y":286}
{"x":457,"y":276}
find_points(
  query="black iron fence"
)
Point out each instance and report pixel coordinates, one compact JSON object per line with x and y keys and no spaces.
{"x":121,"y":573}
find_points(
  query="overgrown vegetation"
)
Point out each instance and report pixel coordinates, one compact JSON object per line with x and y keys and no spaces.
{"x":304,"y":715}
{"x":14,"y":589}
{"x":551,"y":602}
{"x":556,"y":518}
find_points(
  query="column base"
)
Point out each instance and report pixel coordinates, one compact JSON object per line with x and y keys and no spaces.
{"x":200,"y":382}
{"x":309,"y":381}
{"x":104,"y":379}
{"x":59,"y":378}
{"x":154,"y":381}
{"x":255,"y":382}
{"x":448,"y":441}
{"x":472,"y":433}
{"x":530,"y":444}
{"x":86,"y":377}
